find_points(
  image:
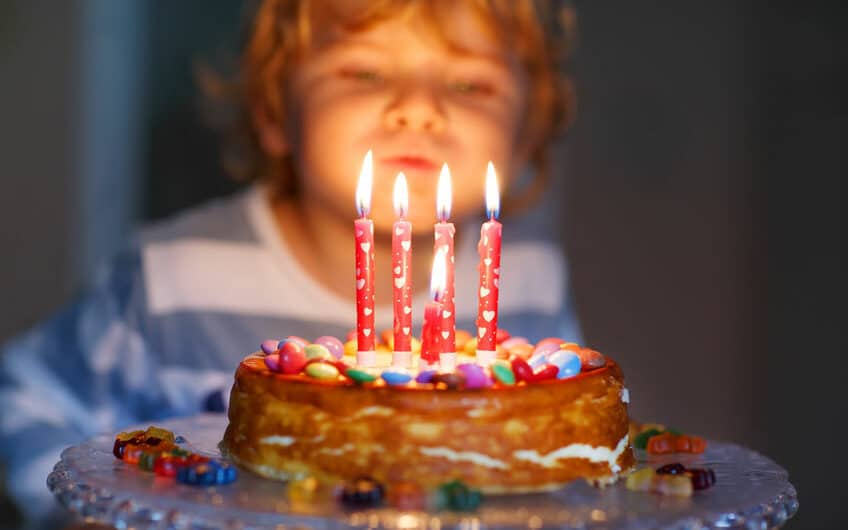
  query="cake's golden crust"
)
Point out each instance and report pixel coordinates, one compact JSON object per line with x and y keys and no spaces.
{"x":523,"y":438}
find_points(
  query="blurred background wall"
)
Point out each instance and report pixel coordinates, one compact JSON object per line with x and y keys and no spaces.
{"x":704,"y":242}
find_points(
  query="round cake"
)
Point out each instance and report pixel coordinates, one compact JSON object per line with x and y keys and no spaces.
{"x":529,"y":434}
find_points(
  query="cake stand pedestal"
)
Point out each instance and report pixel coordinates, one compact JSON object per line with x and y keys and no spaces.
{"x":751,"y":492}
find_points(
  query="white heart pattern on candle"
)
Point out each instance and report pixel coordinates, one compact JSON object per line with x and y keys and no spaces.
{"x":366,"y":331}
{"x":399,"y":282}
{"x":367,"y":311}
{"x":481,"y":332}
{"x":438,"y":235}
{"x":445,"y":334}
{"x":399,"y":231}
{"x":360,"y":283}
{"x":358,"y":272}
{"x":485,"y":241}
{"x":359,"y":233}
{"x":484,"y":292}
{"x":365,"y":246}
{"x":488,"y":315}
{"x":404,"y":245}
{"x":496,"y":282}
{"x":487,"y":261}
{"x":405,"y":330}
{"x":407,"y":310}
{"x":397,"y":269}
{"x":497,"y":270}
{"x":446,"y":314}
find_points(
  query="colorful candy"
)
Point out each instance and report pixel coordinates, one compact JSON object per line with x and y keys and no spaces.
{"x":155,"y":450}
{"x":363,"y":492}
{"x":647,"y":480}
{"x":548,"y":371}
{"x":502,"y":372}
{"x":272,"y":361}
{"x":293,"y":338}
{"x":567,"y":362}
{"x":672,"y":469}
{"x":396,"y":377}
{"x":669,"y":442}
{"x":462,"y":338}
{"x":591,"y":359}
{"x":333,"y":345}
{"x":425,"y":376}
{"x":640,"y":441}
{"x":407,"y":495}
{"x":514,"y":341}
{"x":475,"y":375}
{"x":524,"y":351}
{"x":702,"y":478}
{"x":359,"y":375}
{"x":292,"y":358}
{"x":457,"y":496}
{"x":211,"y":473}
{"x":546,"y":349}
{"x":522,"y":370}
{"x":323,"y":371}
{"x":671,"y":479}
{"x":555,"y":341}
{"x":449,"y":381}
{"x":270,"y":346}
{"x":317,"y":351}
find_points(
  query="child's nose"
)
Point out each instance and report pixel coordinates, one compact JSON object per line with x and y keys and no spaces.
{"x":417,"y":109}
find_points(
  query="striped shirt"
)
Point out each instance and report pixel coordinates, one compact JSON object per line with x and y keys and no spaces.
{"x":162,"y":330}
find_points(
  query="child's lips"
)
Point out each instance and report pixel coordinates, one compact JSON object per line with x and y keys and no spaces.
{"x":410,"y":163}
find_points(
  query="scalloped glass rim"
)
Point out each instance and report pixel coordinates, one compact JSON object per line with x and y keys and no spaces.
{"x":751,"y":492}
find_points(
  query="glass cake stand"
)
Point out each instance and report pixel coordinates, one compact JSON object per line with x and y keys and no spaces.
{"x":751,"y":492}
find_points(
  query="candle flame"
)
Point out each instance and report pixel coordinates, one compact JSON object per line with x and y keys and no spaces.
{"x":401,"y":196}
{"x":439,"y":276}
{"x":493,"y":196}
{"x":363,"y":187}
{"x":443,"y":194}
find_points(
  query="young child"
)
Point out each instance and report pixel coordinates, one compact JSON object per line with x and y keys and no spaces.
{"x":417,"y":82}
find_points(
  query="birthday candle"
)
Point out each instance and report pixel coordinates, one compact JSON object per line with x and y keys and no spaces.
{"x":431,"y":333}
{"x":444,"y":233}
{"x":402,"y":275}
{"x":489,"y":249}
{"x":364,"y":230}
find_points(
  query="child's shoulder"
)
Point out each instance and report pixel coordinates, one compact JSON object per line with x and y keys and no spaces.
{"x":225,"y":219}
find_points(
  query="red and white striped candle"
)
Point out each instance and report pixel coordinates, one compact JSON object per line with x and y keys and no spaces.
{"x":431,"y":333}
{"x":444,"y":233}
{"x":364,"y":229}
{"x":402,"y":276}
{"x":489,"y":249}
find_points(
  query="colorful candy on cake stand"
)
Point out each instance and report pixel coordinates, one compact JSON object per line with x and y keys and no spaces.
{"x":158,"y":451}
{"x":517,"y":362}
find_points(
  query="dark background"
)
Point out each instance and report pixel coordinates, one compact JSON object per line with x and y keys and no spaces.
{"x":697,"y":187}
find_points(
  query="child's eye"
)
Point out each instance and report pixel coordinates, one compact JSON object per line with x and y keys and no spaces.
{"x":472,"y":87}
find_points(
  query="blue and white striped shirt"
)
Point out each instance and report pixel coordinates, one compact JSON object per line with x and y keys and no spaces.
{"x":161,"y":332}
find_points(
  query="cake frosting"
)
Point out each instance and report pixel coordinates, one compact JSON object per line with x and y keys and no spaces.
{"x":500,"y":438}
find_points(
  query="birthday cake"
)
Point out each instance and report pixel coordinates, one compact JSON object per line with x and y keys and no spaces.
{"x":539,"y":416}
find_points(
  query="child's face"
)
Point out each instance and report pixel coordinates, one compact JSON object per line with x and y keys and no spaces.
{"x":399,"y":90}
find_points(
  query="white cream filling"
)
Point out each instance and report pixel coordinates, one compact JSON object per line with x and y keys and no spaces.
{"x":374,"y":410}
{"x":454,"y":456}
{"x":338,"y":450}
{"x":593,"y":454}
{"x":625,"y":395}
{"x":278,"y":440}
